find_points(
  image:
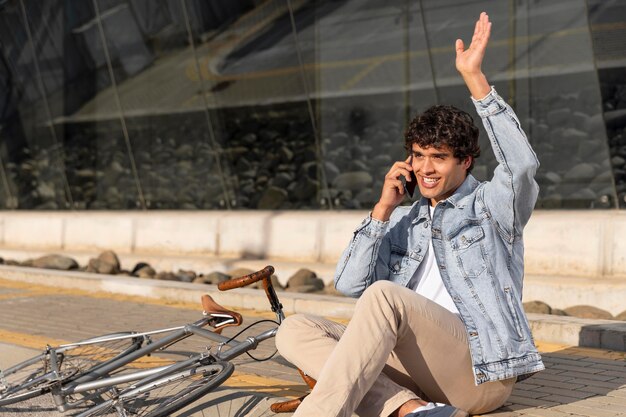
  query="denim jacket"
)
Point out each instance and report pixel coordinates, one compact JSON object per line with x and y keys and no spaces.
{"x":477,"y":241}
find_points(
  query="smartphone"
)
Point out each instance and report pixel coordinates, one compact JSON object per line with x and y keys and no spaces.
{"x":409,"y":186}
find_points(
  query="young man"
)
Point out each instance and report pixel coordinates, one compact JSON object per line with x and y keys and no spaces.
{"x":439,"y":316}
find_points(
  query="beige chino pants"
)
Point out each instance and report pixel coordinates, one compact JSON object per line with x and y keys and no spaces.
{"x":398,"y":346}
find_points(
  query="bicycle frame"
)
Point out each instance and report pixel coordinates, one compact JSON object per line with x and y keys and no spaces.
{"x":97,"y":380}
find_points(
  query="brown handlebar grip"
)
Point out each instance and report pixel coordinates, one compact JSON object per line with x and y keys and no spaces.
{"x":246,"y":279}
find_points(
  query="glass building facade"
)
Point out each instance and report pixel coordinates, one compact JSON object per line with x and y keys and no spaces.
{"x":291,"y":104}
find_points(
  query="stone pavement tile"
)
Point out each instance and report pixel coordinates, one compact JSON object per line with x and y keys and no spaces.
{"x":565,"y":385}
{"x":616,"y":383}
{"x":542,"y":412}
{"x":520,"y":408}
{"x":612,"y":407}
{"x":589,"y":369}
{"x":558,"y":360}
{"x":617,"y":374}
{"x":578,"y":394}
{"x":596,"y":353}
{"x":602,"y":362}
{"x":520,"y":392}
{"x":598,"y":390}
{"x":502,"y":412}
{"x":560,"y":399}
{"x":597,"y":377}
{"x":621,"y":393}
{"x":547,"y":375}
{"x":532,"y":402}
{"x":610,"y":400}
{"x":584,"y":411}
{"x":613,"y":368}
{"x":601,"y":403}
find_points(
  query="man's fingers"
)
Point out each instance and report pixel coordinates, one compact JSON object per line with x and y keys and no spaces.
{"x":485,"y":27}
{"x":398,"y":185}
{"x":401,"y":165}
{"x":483,"y":19}
{"x":481,"y":33}
{"x":394,"y":174}
{"x":459,"y":46}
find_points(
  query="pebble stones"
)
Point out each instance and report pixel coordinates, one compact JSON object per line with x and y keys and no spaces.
{"x":581,"y":311}
{"x":54,"y":262}
{"x":302,"y":281}
{"x":270,"y":159}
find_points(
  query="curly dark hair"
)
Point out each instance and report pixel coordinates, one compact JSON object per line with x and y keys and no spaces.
{"x":442,"y":126}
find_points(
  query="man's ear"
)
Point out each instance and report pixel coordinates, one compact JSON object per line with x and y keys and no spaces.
{"x":467,"y":162}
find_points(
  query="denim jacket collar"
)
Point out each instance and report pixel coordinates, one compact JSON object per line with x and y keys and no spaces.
{"x":420,"y":208}
{"x":467,"y":188}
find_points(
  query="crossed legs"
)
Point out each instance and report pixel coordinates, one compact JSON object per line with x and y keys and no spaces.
{"x":398,"y":346}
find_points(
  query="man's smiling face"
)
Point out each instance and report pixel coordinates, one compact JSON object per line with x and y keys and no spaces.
{"x":438,"y":172}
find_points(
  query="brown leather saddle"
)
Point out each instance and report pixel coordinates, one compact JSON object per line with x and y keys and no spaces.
{"x":221,"y":317}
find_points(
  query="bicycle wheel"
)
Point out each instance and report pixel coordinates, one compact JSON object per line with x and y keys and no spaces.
{"x":34,"y":376}
{"x":166,"y":395}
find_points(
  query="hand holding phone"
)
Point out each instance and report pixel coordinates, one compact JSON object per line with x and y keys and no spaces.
{"x":399,"y":181}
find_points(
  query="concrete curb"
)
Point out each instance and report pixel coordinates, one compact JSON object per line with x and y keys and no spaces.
{"x":558,"y":291}
{"x":572,"y":331}
{"x":328,"y":305}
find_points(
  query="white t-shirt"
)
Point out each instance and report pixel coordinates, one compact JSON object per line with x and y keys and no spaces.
{"x":427,"y":279}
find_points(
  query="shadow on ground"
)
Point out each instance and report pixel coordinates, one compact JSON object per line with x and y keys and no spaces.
{"x":577,"y":380}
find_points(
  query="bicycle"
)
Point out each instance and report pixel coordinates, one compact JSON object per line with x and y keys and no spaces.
{"x":95,"y":370}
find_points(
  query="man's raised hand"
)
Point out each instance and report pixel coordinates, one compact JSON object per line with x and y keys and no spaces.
{"x":469,"y":62}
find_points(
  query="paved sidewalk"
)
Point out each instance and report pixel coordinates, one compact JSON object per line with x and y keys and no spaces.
{"x":577,"y":382}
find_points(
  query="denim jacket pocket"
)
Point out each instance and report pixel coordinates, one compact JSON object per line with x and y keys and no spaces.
{"x":515,"y":315}
{"x":398,"y":260}
{"x":468,"y":249}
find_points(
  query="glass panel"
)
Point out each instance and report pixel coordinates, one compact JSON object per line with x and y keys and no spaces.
{"x":608,"y":26}
{"x":168,"y":135}
{"x":369,"y":68}
{"x":74,"y":71}
{"x":31,"y":152}
{"x":541,"y":61}
{"x":7,"y":201}
{"x":225,"y":122}
{"x":563,"y":114}
{"x":258,"y":104}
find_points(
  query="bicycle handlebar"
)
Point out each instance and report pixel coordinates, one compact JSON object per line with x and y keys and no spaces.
{"x":246,"y":279}
{"x":264,"y":274}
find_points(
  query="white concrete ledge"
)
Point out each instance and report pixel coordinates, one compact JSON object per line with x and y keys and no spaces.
{"x":605,"y":334}
{"x":328,"y":305}
{"x":563,"y":243}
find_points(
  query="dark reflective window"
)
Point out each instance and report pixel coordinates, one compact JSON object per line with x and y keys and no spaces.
{"x":563,"y":112}
{"x":362,"y":63}
{"x":157,"y":86}
{"x":32,"y":153}
{"x":609,"y":33}
{"x":159,"y":104}
{"x":257,"y":101}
